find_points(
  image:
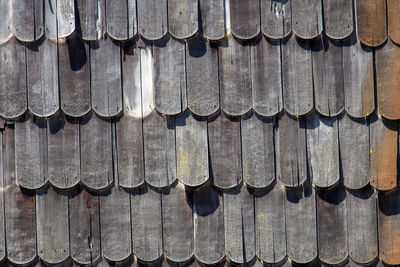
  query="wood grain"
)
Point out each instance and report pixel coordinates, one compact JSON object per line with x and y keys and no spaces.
{"x":371,"y":22}
{"x":152,"y":18}
{"x":28,"y":20}
{"x":183,"y":18}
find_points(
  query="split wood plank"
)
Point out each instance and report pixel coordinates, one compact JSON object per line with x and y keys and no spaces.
{"x":225,"y":150}
{"x":266,"y":77}
{"x":106,"y":84}
{"x":338,"y":16}
{"x":63,"y":151}
{"x":96,"y":152}
{"x":323,"y":150}
{"x":146,"y":223}
{"x":328,"y":76}
{"x":59,"y":18}
{"x":121,"y":19}
{"x":152,"y":18}
{"x":307,"y":18}
{"x":90,"y":20}
{"x":28,"y":20}
{"x":291,"y":157}
{"x":20,"y":210}
{"x":183,"y":18}
{"x":371,"y":22}
{"x":191,"y":149}
{"x":301,"y":223}
{"x":258,"y":158}
{"x":115,"y":223}
{"x":42,"y":77}
{"x":31,"y":159}
{"x":362,"y":224}
{"x":202,"y":76}
{"x":208,"y":217}
{"x":13,"y":90}
{"x":6,"y":14}
{"x":52,"y":225}
{"x":270,"y":223}
{"x":297,"y":76}
{"x":388,"y":80}
{"x":276,"y":18}
{"x":74,"y":76}
{"x":169,"y":75}
{"x":177,"y":205}
{"x":235,"y":77}
{"x":2,"y":190}
{"x":358,"y":73}
{"x":159,"y":149}
{"x":354,"y":151}
{"x":84,"y":226}
{"x":332,"y":224}
{"x":245,"y":18}
{"x":212,"y":16}
{"x":383,"y":153}
{"x":239,"y":224}
{"x":393,"y":8}
{"x":389,"y":226}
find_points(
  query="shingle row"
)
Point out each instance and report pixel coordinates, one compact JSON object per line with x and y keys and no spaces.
{"x":302,"y":223}
{"x":226,"y":150}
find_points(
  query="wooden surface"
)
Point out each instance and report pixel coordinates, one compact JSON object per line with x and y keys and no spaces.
{"x":59,"y":18}
{"x":383,"y":153}
{"x":84,"y":225}
{"x":2,"y":213}
{"x":235,"y":78}
{"x":31,"y":152}
{"x":269,"y":208}
{"x":276,"y":18}
{"x":42,"y":78}
{"x":7,"y":19}
{"x":169,"y":75}
{"x":358,"y":74}
{"x":212,"y":15}
{"x":191,"y":150}
{"x":245,"y":18}
{"x":177,"y":205}
{"x":63,"y":151}
{"x":121,"y":19}
{"x":371,"y":22}
{"x":362,"y":224}
{"x":152,"y":18}
{"x":239,"y":224}
{"x":90,"y":22}
{"x":257,"y":134}
{"x":388,"y":226}
{"x":307,"y":18}
{"x":96,"y":148}
{"x":13,"y":98}
{"x":297,"y":76}
{"x":388,"y":80}
{"x":290,"y":150}
{"x":202,"y":76}
{"x":19,"y":209}
{"x":28,"y":20}
{"x":266,"y":77}
{"x":52,"y":225}
{"x":323,"y":150}
{"x":208,"y":217}
{"x":354,"y":151}
{"x":338,"y":18}
{"x":301,"y":223}
{"x":332,"y":224}
{"x":115,"y":223}
{"x":182,"y":18}
{"x":225,"y":150}
{"x":159,"y":149}
{"x":105,"y":77}
{"x":393,"y":9}
{"x":146,"y":223}
{"x":328,"y":76}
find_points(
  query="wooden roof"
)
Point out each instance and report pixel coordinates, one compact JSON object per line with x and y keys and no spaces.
{"x":199,"y":132}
